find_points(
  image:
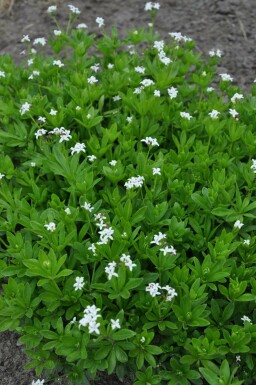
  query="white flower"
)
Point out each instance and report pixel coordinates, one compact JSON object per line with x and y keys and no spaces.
{"x":156,"y":171}
{"x":38,"y":382}
{"x":92,"y":80}
{"x":167,"y":249}
{"x":74,"y":9}
{"x":159,"y":45}
{"x":52,"y":9}
{"x":64,"y":135}
{"x":25,"y":108}
{"x":95,"y":67}
{"x":25,"y":39}
{"x":185,"y":115}
{"x":67,"y":211}
{"x":40,"y":41}
{"x":50,"y":226}
{"x":129,"y":119}
{"x":78,"y":108}
{"x":32,"y":164}
{"x":92,"y":248}
{"x":82,"y":26}
{"x":57,"y":32}
{"x":172,"y":92}
{"x":236,"y":96}
{"x":73,"y":320}
{"x":210,"y":89}
{"x":150,"y":141}
{"x":79,"y":284}
{"x":53,"y":112}
{"x":253,"y":166}
{"x":177,"y":36}
{"x":134,"y":182}
{"x":238,"y":224}
{"x":147,"y":82}
{"x":100,"y":22}
{"x":171,"y":293}
{"x":2,"y":74}
{"x":140,"y":70}
{"x":58,"y":63}
{"x":138,"y":90}
{"x":238,"y":358}
{"x":2,"y":176}
{"x":94,"y":328}
{"x":88,"y":116}
{"x":142,"y":340}
{"x":226,"y":77}
{"x":115,"y":324}
{"x":30,"y":62}
{"x":149,"y":6}
{"x":105,"y":235}
{"x":110,"y":270}
{"x":247,"y":319}
{"x":157,"y":93}
{"x":116,"y":98}
{"x":41,"y":119}
{"x":127,"y":261}
{"x":91,"y":158}
{"x":214,"y":114}
{"x":113,"y":162}
{"x":215,"y":52}
{"x":90,"y":319}
{"x":34,"y":73}
{"x":88,"y":207}
{"x":153,"y":289}
{"x":79,"y":147}
{"x":40,"y":132}
{"x":158,"y":237}
{"x":233,"y":112}
{"x":247,"y":242}
{"x":110,"y":66}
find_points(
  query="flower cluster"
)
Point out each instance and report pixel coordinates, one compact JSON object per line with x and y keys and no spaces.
{"x":90,"y":319}
{"x":150,"y":141}
{"x":110,"y":268}
{"x":134,"y":181}
{"x":154,"y":290}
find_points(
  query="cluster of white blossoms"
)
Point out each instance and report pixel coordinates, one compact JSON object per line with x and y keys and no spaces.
{"x":62,"y":133}
{"x":215,"y":52}
{"x":87,"y":206}
{"x":236,"y":96}
{"x":34,"y":73}
{"x":79,"y":284}
{"x":74,"y":9}
{"x":39,"y":41}
{"x":100,"y":21}
{"x":110,"y":268}
{"x":159,"y":45}
{"x":90,"y":319}
{"x":134,"y":181}
{"x":154,"y":290}
{"x":38,"y":382}
{"x":95,"y":67}
{"x":92,"y":80}
{"x":140,"y":70}
{"x":2,"y":74}
{"x":79,"y":147}
{"x":172,"y":92}
{"x":50,"y":226}
{"x":253,"y":166}
{"x":246,"y":319}
{"x":105,"y":231}
{"x":158,"y":238}
{"x":52,"y":9}
{"x":226,"y":77}
{"x":150,"y":141}
{"x":238,"y":224}
{"x":186,"y":115}
{"x":58,"y":63}
{"x":177,"y":36}
{"x":149,"y":6}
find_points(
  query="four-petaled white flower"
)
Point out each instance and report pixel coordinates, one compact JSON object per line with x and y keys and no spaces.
{"x":134,"y":182}
{"x":53,"y":112}
{"x":116,"y":98}
{"x":79,"y":284}
{"x":215,"y":52}
{"x":100,"y":21}
{"x":79,"y":147}
{"x":150,"y":141}
{"x":238,"y":224}
{"x":129,"y":119}
{"x":233,"y":112}
{"x":157,"y":93}
{"x":147,"y":82}
{"x":140,"y":70}
{"x":50,"y":226}
{"x":113,"y":162}
{"x":247,"y":242}
{"x":2,"y":176}
{"x":38,"y":382}
{"x":52,"y":9}
{"x":2,"y":74}
{"x":110,"y":270}
{"x":92,"y":248}
{"x":91,"y":158}
{"x":67,"y":211}
{"x":25,"y":39}
{"x":236,"y":96}
{"x":115,"y":324}
{"x":40,"y":41}
{"x":153,"y":289}
{"x":156,"y":171}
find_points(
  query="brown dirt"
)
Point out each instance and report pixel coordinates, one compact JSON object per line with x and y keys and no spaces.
{"x":225,"y":24}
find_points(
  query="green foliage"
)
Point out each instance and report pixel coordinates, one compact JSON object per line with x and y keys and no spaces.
{"x":127,"y":209}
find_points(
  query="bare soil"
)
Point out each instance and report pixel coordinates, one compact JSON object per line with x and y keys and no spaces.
{"x":225,"y":24}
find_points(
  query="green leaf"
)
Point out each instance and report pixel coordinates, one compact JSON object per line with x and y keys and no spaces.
{"x":123,"y":334}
